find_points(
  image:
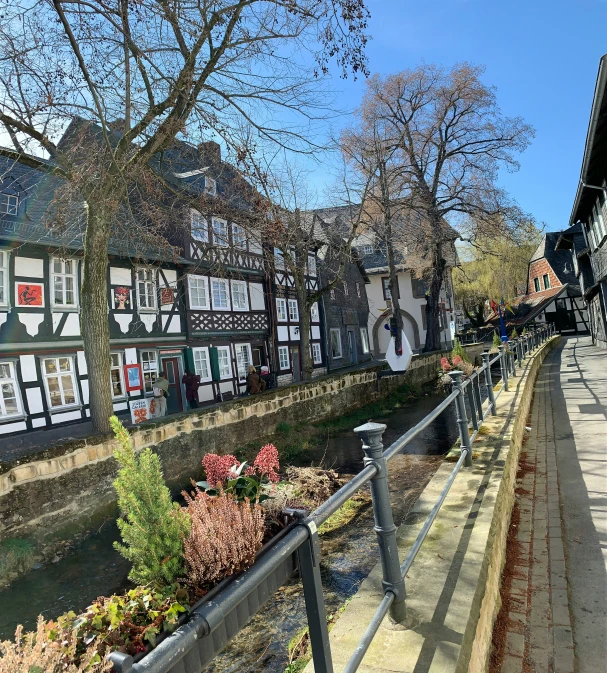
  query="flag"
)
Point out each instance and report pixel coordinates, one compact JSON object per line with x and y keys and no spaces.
{"x":493,"y":306}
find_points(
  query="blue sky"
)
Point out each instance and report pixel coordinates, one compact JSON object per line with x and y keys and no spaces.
{"x":542,"y":57}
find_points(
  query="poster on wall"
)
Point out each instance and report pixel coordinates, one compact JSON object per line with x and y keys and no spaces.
{"x":30,"y":294}
{"x":133,"y":377}
{"x":122,"y":298}
{"x":142,"y":410}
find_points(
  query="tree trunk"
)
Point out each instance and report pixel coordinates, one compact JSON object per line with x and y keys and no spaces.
{"x":433,"y":342}
{"x":394,"y":294}
{"x":94,"y":322}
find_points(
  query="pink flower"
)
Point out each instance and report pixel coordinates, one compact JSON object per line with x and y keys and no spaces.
{"x":445,"y":364}
{"x":218,"y":468}
{"x":266,"y":463}
{"x":457,"y":361}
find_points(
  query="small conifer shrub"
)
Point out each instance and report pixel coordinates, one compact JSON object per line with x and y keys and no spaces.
{"x":152,"y":527}
{"x":497,"y":342}
{"x":459,"y":351}
{"x":514,"y":334}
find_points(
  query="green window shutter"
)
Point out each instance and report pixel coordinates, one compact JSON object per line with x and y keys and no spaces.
{"x":189,"y":360}
{"x":214,"y":363}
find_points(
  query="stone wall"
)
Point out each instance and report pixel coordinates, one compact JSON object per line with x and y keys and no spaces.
{"x":59,"y":493}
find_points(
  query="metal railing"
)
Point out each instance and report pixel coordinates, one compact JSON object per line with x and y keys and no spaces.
{"x":303,"y":538}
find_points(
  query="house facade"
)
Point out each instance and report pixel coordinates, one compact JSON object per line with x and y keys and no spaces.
{"x":553,"y":293}
{"x":42,"y":363}
{"x":590,"y":213}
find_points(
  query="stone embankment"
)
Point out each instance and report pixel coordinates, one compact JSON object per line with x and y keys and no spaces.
{"x":67,"y":490}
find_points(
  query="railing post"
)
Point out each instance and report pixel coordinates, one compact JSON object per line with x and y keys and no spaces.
{"x":477,"y":396}
{"x":519,"y":351}
{"x":512,"y":348}
{"x":316,"y":614}
{"x":371,"y":434}
{"x":489,"y":382}
{"x":472,"y":405}
{"x":503,"y":366}
{"x":462,"y":419}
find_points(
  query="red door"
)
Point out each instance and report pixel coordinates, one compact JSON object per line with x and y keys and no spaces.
{"x":171,"y":371}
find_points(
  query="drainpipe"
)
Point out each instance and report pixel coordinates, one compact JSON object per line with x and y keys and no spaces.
{"x":324,"y":323}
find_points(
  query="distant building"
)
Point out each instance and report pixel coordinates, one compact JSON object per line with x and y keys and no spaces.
{"x":553,"y":293}
{"x":588,"y":244}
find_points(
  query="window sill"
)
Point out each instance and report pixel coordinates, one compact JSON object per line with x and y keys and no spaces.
{"x":240,"y":310}
{"x":64,"y":309}
{"x":148,"y":311}
{"x":59,"y":410}
{"x":337,"y":357}
{"x":12,"y":419}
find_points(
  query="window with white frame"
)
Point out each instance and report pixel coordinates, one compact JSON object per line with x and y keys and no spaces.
{"x":364,"y":338}
{"x":346,"y":290}
{"x":293,"y":310}
{"x":358,"y":289}
{"x":332,"y":293}
{"x":239,"y":238}
{"x":10,"y":400}
{"x":198,"y":287}
{"x":283,"y":357}
{"x":279,"y":260}
{"x":199,"y":227}
{"x":336,"y":343}
{"x":116,"y":375}
{"x":243,"y":360}
{"x":220,"y":294}
{"x":4,"y":255}
{"x":210,"y":186}
{"x":149,"y":364}
{"x":220,"y":232}
{"x":314,"y":315}
{"x":281,"y":309}
{"x":365,"y":249}
{"x":64,"y":282}
{"x":202,"y":366}
{"x":9,"y":203}
{"x":60,"y":382}
{"x":601,"y":225}
{"x":224,"y":361}
{"x":316,"y":354}
{"x":146,"y":288}
{"x":240,"y":298}
{"x":311,"y":265}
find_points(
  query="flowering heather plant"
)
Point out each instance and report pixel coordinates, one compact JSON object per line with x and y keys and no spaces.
{"x":266,"y":464}
{"x":445,"y":364}
{"x":457,"y":361}
{"x":219,"y":468}
{"x":224,"y":537}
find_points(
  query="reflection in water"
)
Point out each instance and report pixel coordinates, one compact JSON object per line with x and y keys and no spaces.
{"x":348,"y":556}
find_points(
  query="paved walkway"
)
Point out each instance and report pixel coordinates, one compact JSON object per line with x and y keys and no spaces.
{"x":555,"y":581}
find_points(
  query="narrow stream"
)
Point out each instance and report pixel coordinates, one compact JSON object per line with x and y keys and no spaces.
{"x":94,"y":568}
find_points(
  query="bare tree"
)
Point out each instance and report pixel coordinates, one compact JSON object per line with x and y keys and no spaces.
{"x":145,"y":73}
{"x":450,"y":140}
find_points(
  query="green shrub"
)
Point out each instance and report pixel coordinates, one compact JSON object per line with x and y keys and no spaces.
{"x":16,"y":556}
{"x":513,"y":334}
{"x":497,"y":341}
{"x":152,"y":526}
{"x":458,"y":349}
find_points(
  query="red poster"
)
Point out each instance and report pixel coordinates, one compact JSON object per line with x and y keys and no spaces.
{"x":30,"y":294}
{"x":167,"y":296}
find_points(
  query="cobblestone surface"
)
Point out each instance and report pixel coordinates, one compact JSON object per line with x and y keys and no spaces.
{"x":539,"y":637}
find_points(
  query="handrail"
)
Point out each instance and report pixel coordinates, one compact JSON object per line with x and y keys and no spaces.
{"x":303,"y":537}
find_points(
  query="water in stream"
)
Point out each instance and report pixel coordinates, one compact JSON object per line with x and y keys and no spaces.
{"x":94,"y":568}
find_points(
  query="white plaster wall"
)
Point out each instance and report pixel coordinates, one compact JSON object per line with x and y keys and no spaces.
{"x":257,"y":297}
{"x":12,"y":427}
{"x":28,"y":368}
{"x":64,"y":418}
{"x":283,"y":333}
{"x":38,"y":422}
{"x":120,"y":276}
{"x":82,"y":369}
{"x":34,"y":400}
{"x":31,"y":321}
{"x":30,"y":267}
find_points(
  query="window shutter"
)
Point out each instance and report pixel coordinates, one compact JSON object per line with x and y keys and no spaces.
{"x":214,"y":356}
{"x":189,"y":360}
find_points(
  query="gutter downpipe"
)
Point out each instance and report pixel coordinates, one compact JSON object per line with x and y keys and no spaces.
{"x":594,"y":115}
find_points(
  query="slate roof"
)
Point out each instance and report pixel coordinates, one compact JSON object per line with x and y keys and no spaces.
{"x":527,"y":306}
{"x":560,"y":260}
{"x":36,"y":221}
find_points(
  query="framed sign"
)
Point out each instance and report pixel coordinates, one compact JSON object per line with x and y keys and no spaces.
{"x":142,"y":410}
{"x":30,"y":294}
{"x":167,"y":296}
{"x":133,"y":377}
{"x":122,"y":298}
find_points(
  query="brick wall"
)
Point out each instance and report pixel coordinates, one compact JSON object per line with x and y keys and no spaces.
{"x":537,"y":269}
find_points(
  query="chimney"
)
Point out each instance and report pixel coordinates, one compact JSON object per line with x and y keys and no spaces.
{"x":210,"y":151}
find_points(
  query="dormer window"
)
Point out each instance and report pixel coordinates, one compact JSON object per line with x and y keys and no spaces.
{"x":9,"y":196}
{"x":220,"y":232}
{"x":210,"y":186}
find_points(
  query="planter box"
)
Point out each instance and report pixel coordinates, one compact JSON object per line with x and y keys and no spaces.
{"x":222,"y":613}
